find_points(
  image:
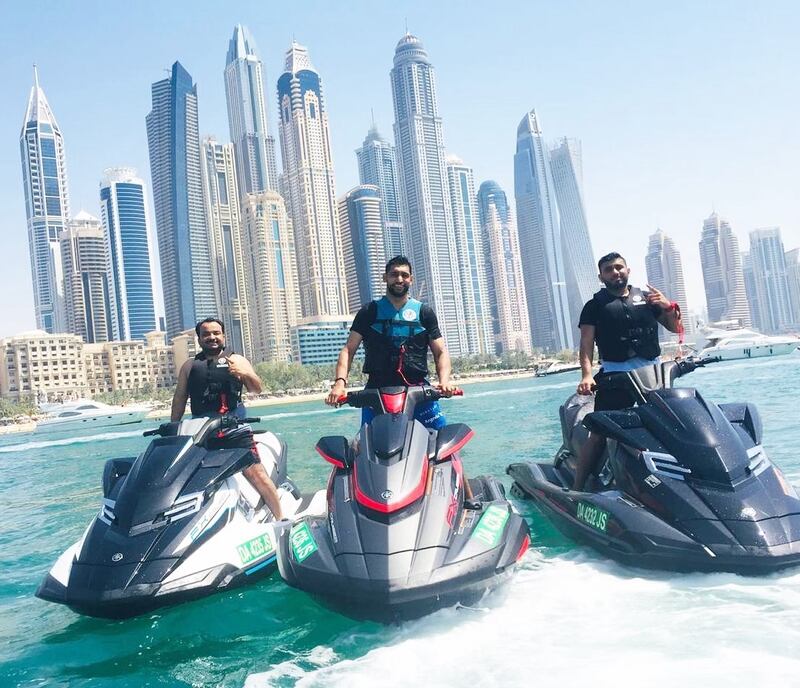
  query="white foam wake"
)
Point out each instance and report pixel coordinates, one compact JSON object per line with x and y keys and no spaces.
{"x":579,"y":621}
{"x":104,"y":437}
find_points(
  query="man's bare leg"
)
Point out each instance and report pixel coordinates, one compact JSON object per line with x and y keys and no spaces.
{"x":587,"y":459}
{"x":260,"y":480}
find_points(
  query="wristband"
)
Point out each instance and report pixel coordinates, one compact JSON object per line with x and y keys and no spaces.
{"x":340,"y":378}
{"x":673,"y":306}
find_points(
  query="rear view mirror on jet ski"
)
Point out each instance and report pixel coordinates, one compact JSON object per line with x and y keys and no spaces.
{"x":398,"y":539}
{"x":685,"y":485}
{"x":178,"y":522}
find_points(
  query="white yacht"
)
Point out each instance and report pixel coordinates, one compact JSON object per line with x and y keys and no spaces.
{"x":85,"y":414}
{"x":731,"y":342}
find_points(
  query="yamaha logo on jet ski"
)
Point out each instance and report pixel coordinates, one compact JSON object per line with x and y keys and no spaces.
{"x":721,"y":504}
{"x":387,"y":495}
{"x":117,"y":557}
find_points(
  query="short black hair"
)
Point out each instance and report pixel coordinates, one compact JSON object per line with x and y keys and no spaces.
{"x":608,"y":258}
{"x":398,"y":260}
{"x":209,"y":320}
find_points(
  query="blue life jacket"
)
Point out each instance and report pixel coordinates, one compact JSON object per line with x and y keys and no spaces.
{"x":399,"y":343}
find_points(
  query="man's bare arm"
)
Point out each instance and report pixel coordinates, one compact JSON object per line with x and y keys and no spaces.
{"x":181,"y":395}
{"x":343,"y":363}
{"x":243,"y":370}
{"x":443,"y":367}
{"x":586,"y":356}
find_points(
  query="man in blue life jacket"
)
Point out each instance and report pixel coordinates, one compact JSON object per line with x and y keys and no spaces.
{"x":623,"y":321}
{"x":397,"y":332}
{"x":213,"y":382}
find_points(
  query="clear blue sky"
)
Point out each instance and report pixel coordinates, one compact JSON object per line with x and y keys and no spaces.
{"x":680,"y":106}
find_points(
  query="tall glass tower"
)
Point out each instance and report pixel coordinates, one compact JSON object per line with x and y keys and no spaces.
{"x":173,"y":140}
{"x":256,"y":168}
{"x":225,"y":234}
{"x":310,"y":187}
{"x":541,"y":244}
{"x":425,"y":196}
{"x":723,"y":276}
{"x":469,"y":250}
{"x":123,"y":207}
{"x":44,"y":179}
{"x":377,"y":165}
{"x":769,"y":274}
{"x":505,"y":283}
{"x":86,"y":288}
{"x":665,"y":272}
{"x":364,"y":249}
{"x":579,"y":263}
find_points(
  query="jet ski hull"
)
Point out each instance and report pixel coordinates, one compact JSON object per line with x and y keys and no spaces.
{"x":625,"y":530}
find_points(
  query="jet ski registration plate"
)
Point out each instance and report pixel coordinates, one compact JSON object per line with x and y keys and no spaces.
{"x":593,"y":516}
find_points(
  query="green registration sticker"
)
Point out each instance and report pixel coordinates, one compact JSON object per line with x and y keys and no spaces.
{"x":302,"y":540}
{"x":255,"y":549}
{"x":593,"y":516}
{"x":490,"y":527}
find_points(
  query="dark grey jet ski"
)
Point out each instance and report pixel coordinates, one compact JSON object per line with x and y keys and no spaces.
{"x":178,"y":522}
{"x":397,"y":539}
{"x":685,"y":484}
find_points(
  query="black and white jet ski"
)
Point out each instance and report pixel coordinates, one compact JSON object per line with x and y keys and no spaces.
{"x":686,"y":483}
{"x":176,"y":523}
{"x":397,"y":539}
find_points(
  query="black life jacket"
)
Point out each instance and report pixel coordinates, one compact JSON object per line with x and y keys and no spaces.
{"x":212,"y":389}
{"x":398,"y":342}
{"x":626,"y":326}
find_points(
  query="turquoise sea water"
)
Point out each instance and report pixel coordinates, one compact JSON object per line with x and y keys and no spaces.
{"x":568,"y":617}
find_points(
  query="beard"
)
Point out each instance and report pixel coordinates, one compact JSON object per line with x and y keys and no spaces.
{"x":398,"y":289}
{"x":617,"y":284}
{"x":212,"y":349}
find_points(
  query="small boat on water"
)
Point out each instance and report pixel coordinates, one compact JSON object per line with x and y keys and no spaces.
{"x":555,"y":368}
{"x":729,"y":341}
{"x":86,"y":414}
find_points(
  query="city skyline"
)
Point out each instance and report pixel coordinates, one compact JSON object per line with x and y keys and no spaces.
{"x":563,"y":122}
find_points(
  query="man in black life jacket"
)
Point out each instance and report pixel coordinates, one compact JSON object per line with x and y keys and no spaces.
{"x":397,"y":332}
{"x":623,"y":321}
{"x":213,"y":383}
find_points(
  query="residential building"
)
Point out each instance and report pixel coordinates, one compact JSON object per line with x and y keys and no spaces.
{"x":44,"y":180}
{"x":221,"y":196}
{"x":566,"y":163}
{"x":86,"y":288}
{"x":505,"y":283}
{"x":309,"y":181}
{"x":424,"y":193}
{"x":769,"y":276}
{"x":318,"y":341}
{"x":271,"y":275}
{"x":377,"y":165}
{"x":723,"y":278}
{"x":256,"y":169}
{"x":665,"y":273}
{"x":749,"y":280}
{"x":365,"y":257}
{"x":793,"y":282}
{"x":123,"y":207}
{"x":41,"y":363}
{"x":540,"y":241}
{"x":469,"y":253}
{"x":174,"y":144}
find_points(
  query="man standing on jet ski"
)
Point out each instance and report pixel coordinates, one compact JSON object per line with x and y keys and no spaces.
{"x":213,"y":382}
{"x":397,"y":332}
{"x":623,"y":321}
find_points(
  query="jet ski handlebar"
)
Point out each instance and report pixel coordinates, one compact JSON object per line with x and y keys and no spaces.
{"x":225,"y":422}
{"x":369,"y":397}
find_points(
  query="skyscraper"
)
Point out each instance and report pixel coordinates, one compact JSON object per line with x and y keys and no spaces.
{"x":123,"y":207}
{"x":273,"y":297}
{"x":424,"y":197}
{"x":769,"y":276}
{"x":309,"y":182}
{"x":86,"y":288}
{"x":750,"y":291}
{"x":256,"y":168}
{"x":665,"y":273}
{"x":540,"y":241}
{"x":173,"y":140}
{"x":377,"y":165}
{"x":44,"y":179}
{"x":225,"y":236}
{"x":469,"y":252}
{"x":793,"y":281}
{"x":363,"y":239}
{"x":722,"y":272}
{"x":505,"y":284}
{"x":566,"y":162}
